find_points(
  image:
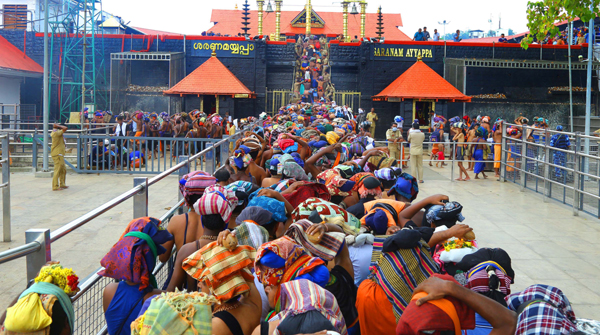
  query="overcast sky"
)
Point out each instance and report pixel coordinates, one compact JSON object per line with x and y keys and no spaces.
{"x":193,"y":17}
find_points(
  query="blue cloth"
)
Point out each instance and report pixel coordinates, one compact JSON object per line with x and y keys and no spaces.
{"x":419,"y":36}
{"x":482,"y":327}
{"x":276,"y":207}
{"x":560,"y":141}
{"x":124,"y":308}
{"x":361,"y":259}
{"x":478,"y":156}
{"x":559,"y":158}
{"x":290,"y":149}
{"x":136,"y":154}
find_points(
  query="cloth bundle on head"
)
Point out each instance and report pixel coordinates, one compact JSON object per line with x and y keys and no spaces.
{"x":406,"y":186}
{"x":543,"y":310}
{"x":326,"y":211}
{"x":217,"y":200}
{"x":133,"y":257}
{"x":183,"y":180}
{"x":332,"y":137}
{"x":276,"y":207}
{"x":445,"y":215}
{"x":291,"y":169}
{"x":487,"y":256}
{"x":306,"y":191}
{"x":282,"y":260}
{"x":356,"y":149}
{"x":255,"y":214}
{"x":226,"y":272}
{"x":241,"y":157}
{"x":481,"y":132}
{"x":240,"y":187}
{"x":197,"y":183}
{"x":489,"y":280}
{"x":381,"y":214}
{"x":366,"y":184}
{"x":445,"y":314}
{"x":335,"y":183}
{"x":308,"y":308}
{"x":32,"y":313}
{"x":176,"y":313}
{"x":251,"y":234}
{"x":399,"y":272}
{"x":326,"y":249}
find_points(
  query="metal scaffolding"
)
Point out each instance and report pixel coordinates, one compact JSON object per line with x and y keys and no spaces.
{"x":81,"y":65}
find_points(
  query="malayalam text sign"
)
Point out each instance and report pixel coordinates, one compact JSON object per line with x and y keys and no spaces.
{"x":222,"y":48}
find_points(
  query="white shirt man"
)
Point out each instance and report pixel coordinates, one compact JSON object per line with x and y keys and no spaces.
{"x":436,"y":35}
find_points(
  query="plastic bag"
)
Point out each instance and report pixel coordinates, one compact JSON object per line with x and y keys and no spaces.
{"x":27,"y":315}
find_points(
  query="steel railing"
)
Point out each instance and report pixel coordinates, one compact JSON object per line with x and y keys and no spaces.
{"x":88,"y":302}
{"x":570,"y":176}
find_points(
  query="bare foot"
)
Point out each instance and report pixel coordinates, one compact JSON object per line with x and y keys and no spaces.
{"x":484,"y":177}
{"x":57,"y":189}
{"x":459,"y":179}
{"x":476,"y":177}
{"x":467,"y":179}
{"x":430,"y":164}
{"x":64,"y":187}
{"x":496,"y":176}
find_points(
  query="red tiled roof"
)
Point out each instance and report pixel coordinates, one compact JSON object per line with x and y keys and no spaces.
{"x":210,"y":78}
{"x":228,"y":21}
{"x":12,"y":58}
{"x":421,"y":82}
{"x":155,"y":32}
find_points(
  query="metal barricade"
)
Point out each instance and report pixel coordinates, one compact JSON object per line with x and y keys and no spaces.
{"x":88,"y":302}
{"x":568,"y":175}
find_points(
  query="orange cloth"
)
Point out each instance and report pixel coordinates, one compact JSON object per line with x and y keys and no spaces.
{"x":375,"y":312}
{"x":435,"y":150}
{"x":497,"y":155}
{"x":397,"y":205}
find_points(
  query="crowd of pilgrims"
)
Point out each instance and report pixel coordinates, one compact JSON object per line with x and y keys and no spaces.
{"x":308,"y":229}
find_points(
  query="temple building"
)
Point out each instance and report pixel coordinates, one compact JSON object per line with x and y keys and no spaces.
{"x":419,"y":93}
{"x":280,"y":24}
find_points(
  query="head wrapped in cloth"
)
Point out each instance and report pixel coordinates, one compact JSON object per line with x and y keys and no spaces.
{"x":133,"y":257}
{"x":282,"y":260}
{"x":367,"y":185}
{"x":226,"y":272}
{"x":308,"y":308}
{"x":241,"y":157}
{"x":446,"y":215}
{"x":195,"y":183}
{"x":406,"y":186}
{"x":217,"y":200}
{"x":557,"y":317}
{"x":336,"y":185}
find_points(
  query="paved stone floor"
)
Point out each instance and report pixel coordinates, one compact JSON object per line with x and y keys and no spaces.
{"x":546,"y":242}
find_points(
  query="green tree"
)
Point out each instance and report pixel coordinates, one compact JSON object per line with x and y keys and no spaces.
{"x":542,"y":16}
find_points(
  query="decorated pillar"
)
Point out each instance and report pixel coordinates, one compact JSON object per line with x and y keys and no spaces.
{"x":260,"y":16}
{"x":363,"y":17}
{"x":345,"y":16}
{"x":308,"y":18}
{"x":277,"y":19}
{"x":217,"y":105}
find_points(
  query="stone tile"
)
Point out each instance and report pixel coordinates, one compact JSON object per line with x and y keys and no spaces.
{"x":548,"y":249}
{"x":518,"y":251}
{"x":585,"y":311}
{"x":576,"y":267}
{"x":539,"y":270}
{"x":521,"y":232}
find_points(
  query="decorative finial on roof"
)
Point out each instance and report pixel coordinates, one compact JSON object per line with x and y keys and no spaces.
{"x":419,"y":58}
{"x":236,"y":7}
{"x":214,"y":52}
